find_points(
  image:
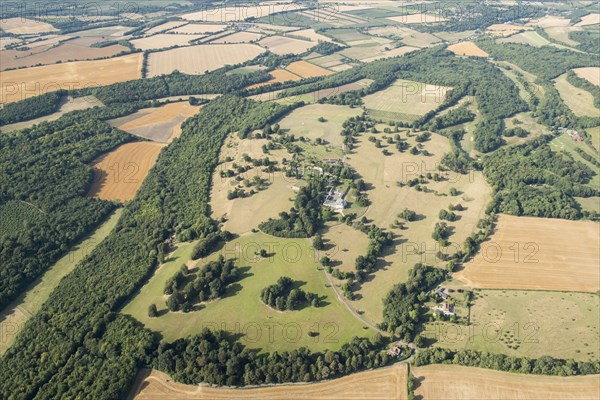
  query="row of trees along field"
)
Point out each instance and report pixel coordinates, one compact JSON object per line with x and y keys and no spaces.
{"x":473,"y":358}
{"x":77,"y":345}
{"x":31,"y":108}
{"x":531,"y":179}
{"x":497,"y":95}
{"x":46,"y":169}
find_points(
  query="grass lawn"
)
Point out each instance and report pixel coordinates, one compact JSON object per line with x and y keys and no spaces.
{"x":528,"y":323}
{"x":14,"y":316}
{"x":580,"y":101}
{"x":406,"y":97}
{"x":304,"y":121}
{"x":527,"y":122}
{"x":381,"y":173}
{"x":241,"y":311}
{"x":595,"y":135}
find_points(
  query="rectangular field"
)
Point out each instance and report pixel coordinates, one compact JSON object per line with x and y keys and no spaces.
{"x":25,"y":26}
{"x":531,"y":38}
{"x":199,"y":28}
{"x":20,"y":84}
{"x":285,"y":45}
{"x":119,"y":174}
{"x":200,"y":59}
{"x":163,"y":40}
{"x":278,"y":75}
{"x":537,"y":254}
{"x":529,"y":324}
{"x":307,"y":70}
{"x":454,"y":382}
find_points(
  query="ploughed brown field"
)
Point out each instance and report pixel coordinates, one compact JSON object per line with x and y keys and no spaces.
{"x":454,"y":382}
{"x":537,"y":254}
{"x":379,"y":384}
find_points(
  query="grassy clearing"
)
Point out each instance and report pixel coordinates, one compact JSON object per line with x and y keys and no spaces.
{"x":304,"y":121}
{"x":381,"y":173}
{"x":14,"y":316}
{"x":531,"y":38}
{"x":527,"y":323}
{"x":405,"y":99}
{"x":580,"y":101}
{"x":241,"y":312}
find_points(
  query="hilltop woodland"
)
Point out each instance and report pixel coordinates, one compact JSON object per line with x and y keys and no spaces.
{"x":46,"y":168}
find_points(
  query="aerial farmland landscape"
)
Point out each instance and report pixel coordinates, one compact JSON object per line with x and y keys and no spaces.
{"x":300,"y":199}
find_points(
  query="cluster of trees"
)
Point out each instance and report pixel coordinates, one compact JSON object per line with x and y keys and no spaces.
{"x":587,"y":157}
{"x":30,"y":108}
{"x":457,"y":159}
{"x":587,"y":39}
{"x":210,"y":358}
{"x":88,"y":350}
{"x":402,"y":306}
{"x":541,"y":366}
{"x":209,"y":243}
{"x":546,"y":62}
{"x":447,"y":215}
{"x":209,"y":283}
{"x":326,"y":48}
{"x":305,"y":218}
{"x":46,"y":167}
{"x":378,"y":239}
{"x":531,"y":179}
{"x":284,"y":296}
{"x":518,"y":132}
{"x":453,"y":117}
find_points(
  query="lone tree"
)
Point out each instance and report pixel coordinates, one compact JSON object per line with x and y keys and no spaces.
{"x":318,"y":242}
{"x":152,"y":311}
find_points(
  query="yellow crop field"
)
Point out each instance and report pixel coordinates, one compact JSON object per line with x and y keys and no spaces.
{"x":25,"y":26}
{"x":119,"y":174}
{"x":537,"y":254}
{"x":307,"y":70}
{"x":454,"y":382}
{"x":592,"y":74}
{"x":201,"y":58}
{"x":286,"y":45}
{"x":467,"y":49}
{"x":23,"y":83}
{"x":161,"y":124}
{"x":379,"y":384}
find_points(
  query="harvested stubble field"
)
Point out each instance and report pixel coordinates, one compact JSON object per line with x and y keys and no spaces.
{"x":454,"y":382}
{"x":119,"y":174}
{"x":409,"y":37}
{"x":63,"y":53}
{"x":590,"y":19}
{"x":467,"y":49}
{"x":169,"y":25}
{"x":380,"y":384}
{"x":561,"y":33}
{"x":554,"y":254}
{"x":246,"y":213}
{"x":285,"y":45}
{"x":199,"y":28}
{"x":239,"y":12}
{"x":418,"y":19}
{"x":382,"y":173}
{"x":278,"y":75}
{"x":201,"y":58}
{"x":25,"y":26}
{"x":239,"y":37}
{"x":398,"y":51}
{"x":163,"y":40}
{"x":19,"y":84}
{"x":307,"y":70}
{"x":592,"y":74}
{"x":549,"y":21}
{"x":506,"y":29}
{"x":526,"y":324}
{"x":161,"y":124}
{"x":406,"y":97}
